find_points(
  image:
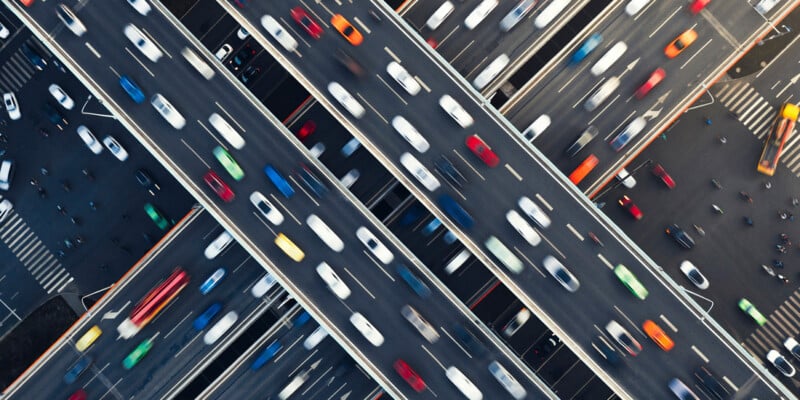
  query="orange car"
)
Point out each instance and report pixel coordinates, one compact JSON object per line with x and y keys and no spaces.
{"x":657,"y":334}
{"x":26,"y":3}
{"x":347,"y":30}
{"x":680,"y":43}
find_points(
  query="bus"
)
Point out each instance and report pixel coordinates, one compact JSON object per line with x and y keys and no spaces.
{"x":779,"y":133}
{"x":153,"y":303}
{"x":583,"y":169}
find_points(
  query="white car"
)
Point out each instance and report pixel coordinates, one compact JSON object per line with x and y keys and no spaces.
{"x":534,"y":212}
{"x":115,"y":148}
{"x":332,"y":280}
{"x":141,"y":6}
{"x":143,"y":43}
{"x":4,"y":32}
{"x":694,"y":275}
{"x":439,"y":15}
{"x":218,"y":245}
{"x":223,"y":52}
{"x":490,"y":72}
{"x":403,"y":78}
{"x":346,"y":99}
{"x":623,"y":338}
{"x":61,"y":96}
{"x":350,"y":178}
{"x":511,"y":385}
{"x":464,"y":385}
{"x":626,"y":178}
{"x":5,"y":208}
{"x":416,"y":169}
{"x":279,"y":33}
{"x":764,"y":6}
{"x":315,"y":337}
{"x":516,"y":322}
{"x":781,"y":363}
{"x":165,"y":108}
{"x":634,"y":6}
{"x":10,"y":101}
{"x":91,"y":142}
{"x":420,"y":324}
{"x":458,"y":113}
{"x":374,"y":245}
{"x":479,"y":13}
{"x":220,"y":328}
{"x":266,"y":208}
{"x":325,"y":233}
{"x":70,"y":20}
{"x":561,"y":273}
{"x":263,"y":286}
{"x":523,"y":228}
{"x":536,"y":127}
{"x":362,"y":324}
{"x":790,"y":343}
{"x":410,"y":134}
{"x":242,"y":33}
{"x":516,"y":14}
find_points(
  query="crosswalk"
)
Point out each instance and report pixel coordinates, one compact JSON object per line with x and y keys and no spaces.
{"x":17,"y":71}
{"x":33,"y":254}
{"x":757,"y":114}
{"x":784,"y":322}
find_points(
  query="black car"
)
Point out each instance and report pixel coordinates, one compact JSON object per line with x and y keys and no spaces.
{"x":446,"y":168}
{"x":250,"y":74}
{"x":351,"y":63}
{"x":607,"y":351}
{"x":710,"y":383}
{"x":34,"y":56}
{"x":582,"y":140}
{"x":53,"y":115}
{"x":680,"y":236}
{"x":146,"y":180}
{"x":545,"y":347}
{"x":468,"y":340}
{"x":242,"y":57}
{"x":312,"y":182}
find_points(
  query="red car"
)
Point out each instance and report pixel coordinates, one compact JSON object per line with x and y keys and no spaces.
{"x":627,"y":203}
{"x":409,"y":375}
{"x":698,"y":5}
{"x":307,"y":129}
{"x":655,"y":78}
{"x":482,"y":150}
{"x":79,"y":394}
{"x":304,"y":20}
{"x":218,"y":186}
{"x":660,"y":172}
{"x":432,"y":42}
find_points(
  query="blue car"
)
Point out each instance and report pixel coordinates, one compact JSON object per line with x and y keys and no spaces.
{"x":430,"y":227}
{"x":587,"y":47}
{"x":132,"y":89}
{"x":77,"y":369}
{"x":266,"y":355}
{"x":302,"y":319}
{"x":279,"y":181}
{"x":350,"y":147}
{"x":212,"y":281}
{"x":203,"y":319}
{"x":419,"y":287}
{"x":456,"y":212}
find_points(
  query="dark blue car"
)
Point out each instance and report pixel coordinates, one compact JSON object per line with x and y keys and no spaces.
{"x":132,"y":89}
{"x":77,"y":369}
{"x":419,"y":287}
{"x":456,"y":212}
{"x":203,"y":319}
{"x":266,"y":355}
{"x":279,"y":181}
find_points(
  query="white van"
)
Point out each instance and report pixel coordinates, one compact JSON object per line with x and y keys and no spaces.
{"x":607,"y":60}
{"x":315,"y":337}
{"x":626,"y":178}
{"x":197,"y":63}
{"x":419,"y":171}
{"x":490,"y":72}
{"x":278,"y":33}
{"x":6,"y":174}
{"x":263,"y":285}
{"x":440,"y":15}
{"x":410,"y":134}
{"x":456,"y":262}
{"x":536,"y":127}
{"x":220,"y":328}
{"x":226,"y":130}
{"x":550,"y":13}
{"x":601,"y":94}
{"x":479,"y":13}
{"x":467,"y":388}
{"x":293,"y":385}
{"x":325,"y":233}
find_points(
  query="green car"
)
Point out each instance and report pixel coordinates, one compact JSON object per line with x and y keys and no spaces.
{"x":749,"y":309}
{"x":228,"y":163}
{"x":137,"y":354}
{"x":629,"y":280}
{"x":159,"y":219}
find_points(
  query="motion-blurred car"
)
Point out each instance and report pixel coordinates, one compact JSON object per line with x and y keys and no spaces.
{"x":680,"y":390}
{"x":561,"y":273}
{"x":212,"y":281}
{"x":140,"y":6}
{"x":409,"y":375}
{"x":659,"y":171}
{"x":228,"y":162}
{"x":377,"y":248}
{"x":630,"y":281}
{"x":623,"y":338}
{"x":516,"y":322}
{"x":218,"y":245}
{"x":89,"y":139}
{"x":77,"y":369}
{"x":346,"y":99}
{"x":680,"y":236}
{"x":482,"y":150}
{"x":213,"y":180}
{"x":751,"y":310}
{"x":137,"y":354}
{"x":348,"y":31}
{"x":61,"y":96}
{"x":305,"y":21}
{"x":132,"y":89}
{"x":401,"y":75}
{"x":370,"y":333}
{"x":202,"y":320}
{"x":157,"y":217}
{"x":143,"y":43}
{"x":680,"y":43}
{"x":698,"y":5}
{"x":265,"y":207}
{"x":167,"y":111}
{"x":115,"y":148}
{"x":628,"y":204}
{"x":658,"y":335}
{"x":458,"y":113}
{"x":587,"y":47}
{"x":655,"y":78}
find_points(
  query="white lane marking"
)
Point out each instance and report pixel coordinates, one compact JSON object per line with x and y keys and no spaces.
{"x":140,"y":62}
{"x":677,"y":9}
{"x":303,"y":189}
{"x":178,"y":324}
{"x":285,"y":209}
{"x":604,"y":261}
{"x":630,"y":321}
{"x":155,"y":42}
{"x":521,"y":254}
{"x":363,"y":26}
{"x":373,"y":108}
{"x":513,"y":172}
{"x":390,"y":89}
{"x":543,"y":201}
{"x":455,"y":341}
{"x":188,"y":146}
{"x":433,"y":357}
{"x":469,"y":165}
{"x":210,"y":133}
{"x":696,"y":53}
{"x":700,"y":354}
{"x":93,"y":50}
{"x":391,"y":54}
{"x":575,"y":232}
{"x":230,"y":117}
{"x":735,"y":388}
{"x":669,"y":324}
{"x":359,"y":283}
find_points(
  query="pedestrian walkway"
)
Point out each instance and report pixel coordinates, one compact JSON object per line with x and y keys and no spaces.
{"x":781,"y":324}
{"x":31,"y":252}
{"x":17,"y":71}
{"x":755,"y":113}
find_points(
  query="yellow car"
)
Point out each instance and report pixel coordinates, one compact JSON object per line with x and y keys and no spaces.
{"x":680,"y":43}
{"x":289,"y":248}
{"x":88,"y":338}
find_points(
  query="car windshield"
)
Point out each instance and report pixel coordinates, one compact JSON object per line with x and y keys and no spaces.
{"x":372,"y":244}
{"x":695,"y":276}
{"x":140,"y":42}
{"x":563,"y":276}
{"x":264,"y":207}
{"x":626,"y":340}
{"x":349,"y":30}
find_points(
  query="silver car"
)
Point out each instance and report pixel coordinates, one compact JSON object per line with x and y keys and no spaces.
{"x":165,"y":108}
{"x":420,"y":324}
{"x":507,"y":381}
{"x":143,"y":43}
{"x":534,"y":212}
{"x":88,"y":138}
{"x":516,"y":14}
{"x":346,"y":99}
{"x":403,"y":78}
{"x":410,"y":134}
{"x":374,"y":245}
{"x":561,"y":273}
{"x":419,"y":171}
{"x":458,"y":113}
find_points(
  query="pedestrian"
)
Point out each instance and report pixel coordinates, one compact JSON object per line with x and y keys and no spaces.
{"x":42,"y":192}
{"x":44,"y":171}
{"x":75,"y":221}
{"x":709,"y":121}
{"x":748,"y":221}
{"x":34,"y":182}
{"x":61,"y":209}
{"x":723,"y":139}
{"x":716,"y":209}
{"x":60,"y":254}
{"x":93,"y":206}
{"x":767,"y":185}
{"x":746,"y":197}
{"x":65,"y":185}
{"x":79,"y":240}
{"x":716,"y":183}
{"x":783,"y":215}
